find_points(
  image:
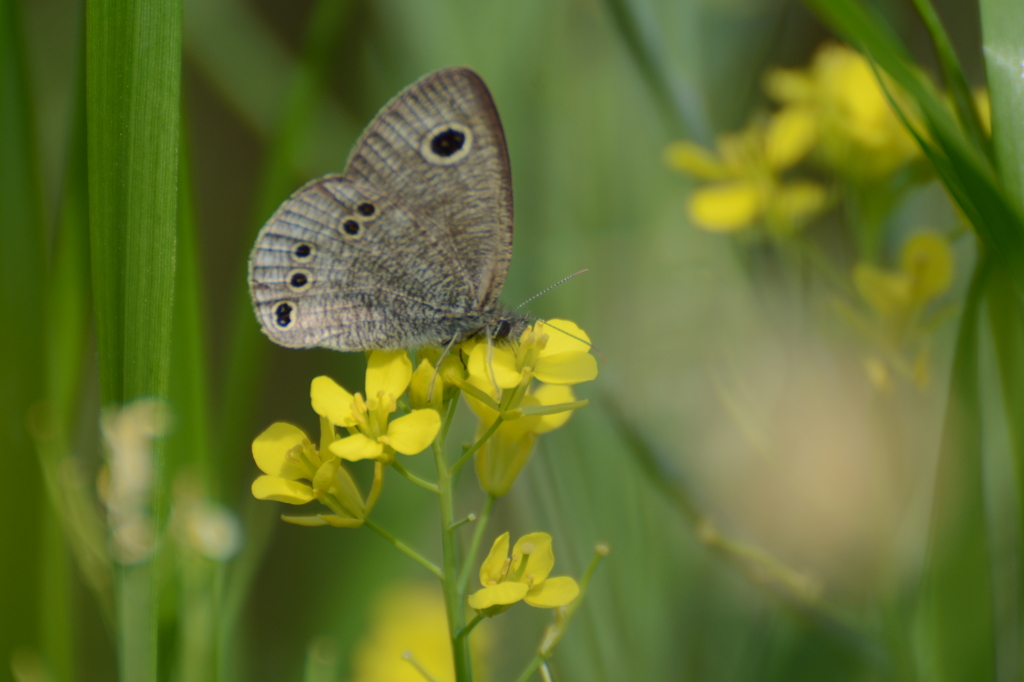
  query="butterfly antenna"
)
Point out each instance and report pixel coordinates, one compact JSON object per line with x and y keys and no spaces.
{"x":561,"y":281}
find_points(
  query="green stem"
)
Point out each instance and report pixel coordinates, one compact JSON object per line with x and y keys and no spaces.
{"x":476,"y":446}
{"x":406,"y":549}
{"x":452,"y":596}
{"x":474,"y":546}
{"x":531,"y":669}
{"x":464,"y":632}
{"x":427,"y":485}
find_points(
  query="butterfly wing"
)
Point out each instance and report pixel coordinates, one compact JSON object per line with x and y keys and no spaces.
{"x":439,"y":149}
{"x":410,"y":244}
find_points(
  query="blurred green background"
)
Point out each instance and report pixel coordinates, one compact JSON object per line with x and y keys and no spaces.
{"x":732,"y":398}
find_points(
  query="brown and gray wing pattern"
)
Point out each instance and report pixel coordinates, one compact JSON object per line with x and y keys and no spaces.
{"x":364,"y":281}
{"x":468,"y":204}
{"x":410,"y":246}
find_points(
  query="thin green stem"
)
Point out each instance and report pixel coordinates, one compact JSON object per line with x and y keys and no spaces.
{"x":427,"y":485}
{"x":452,"y":596}
{"x":531,"y":669}
{"x":476,"y":446}
{"x":406,"y":549}
{"x":474,"y":545}
{"x":464,"y":632}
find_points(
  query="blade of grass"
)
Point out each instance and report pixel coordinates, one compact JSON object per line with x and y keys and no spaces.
{"x":133,"y":87}
{"x":961,"y":165}
{"x":22,"y":279}
{"x":1002,"y":24}
{"x":953,"y":74}
{"x":66,"y":339}
{"x":678,"y":101}
{"x":958,"y":574}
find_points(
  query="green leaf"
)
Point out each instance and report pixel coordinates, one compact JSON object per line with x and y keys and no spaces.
{"x":953,"y":74}
{"x":133,"y":79}
{"x":958,"y":575}
{"x":1002,"y":23}
{"x":22,"y":282}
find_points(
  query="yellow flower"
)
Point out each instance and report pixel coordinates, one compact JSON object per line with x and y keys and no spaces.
{"x":858,"y":134}
{"x":373,"y":434}
{"x":523,"y":577}
{"x":411,"y":618}
{"x":421,"y":393}
{"x":296,"y":472}
{"x":502,"y":457}
{"x":898,"y":299}
{"x":500,"y":384}
{"x":746,"y":173}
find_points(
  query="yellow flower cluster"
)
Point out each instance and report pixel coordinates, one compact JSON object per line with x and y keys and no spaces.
{"x":897,"y":300}
{"x":857,"y":134}
{"x":747,"y":179}
{"x":500,"y":386}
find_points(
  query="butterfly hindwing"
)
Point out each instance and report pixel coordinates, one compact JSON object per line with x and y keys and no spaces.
{"x":410,"y":245}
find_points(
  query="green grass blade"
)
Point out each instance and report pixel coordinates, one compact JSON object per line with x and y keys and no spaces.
{"x":22,"y":280}
{"x":133,"y":76}
{"x":1002,"y":23}
{"x":953,"y":74}
{"x":958,"y":576}
{"x":962,"y":166}
{"x":678,"y":100}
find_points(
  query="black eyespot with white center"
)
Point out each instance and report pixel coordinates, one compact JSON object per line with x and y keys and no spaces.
{"x":303,"y":252}
{"x":350,"y":227}
{"x":283,"y":314}
{"x":299,"y":280}
{"x":447,"y":144}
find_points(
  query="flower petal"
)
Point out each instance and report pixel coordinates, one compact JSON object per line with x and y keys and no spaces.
{"x":387,"y":372}
{"x":281,"y":490}
{"x":553,"y":592}
{"x":563,"y":336}
{"x":693,"y":159}
{"x":566,"y":368}
{"x":928,"y":260}
{"x":542,"y":558}
{"x":549,"y":394}
{"x":414,"y":432}
{"x":795,"y":202}
{"x":789,"y":137}
{"x":332,"y":401}
{"x":726,"y":207}
{"x":500,"y":594}
{"x":499,"y":369}
{"x":271,"y":448}
{"x":357,"y":447}
{"x":492,"y":570}
{"x":420,"y":394}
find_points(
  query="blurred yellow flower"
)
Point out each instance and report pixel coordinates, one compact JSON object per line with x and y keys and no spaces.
{"x":410,"y":618}
{"x":746,"y":174}
{"x":521,"y":577}
{"x":898,"y":300}
{"x":373,"y":435}
{"x":296,"y":472}
{"x":857,"y":133}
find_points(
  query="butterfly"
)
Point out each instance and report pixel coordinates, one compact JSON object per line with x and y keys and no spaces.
{"x":410,"y":245}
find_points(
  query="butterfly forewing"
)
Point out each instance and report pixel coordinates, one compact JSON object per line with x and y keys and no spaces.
{"x":410,"y":245}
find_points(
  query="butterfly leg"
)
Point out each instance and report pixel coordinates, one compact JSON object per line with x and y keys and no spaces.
{"x":437,"y":368}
